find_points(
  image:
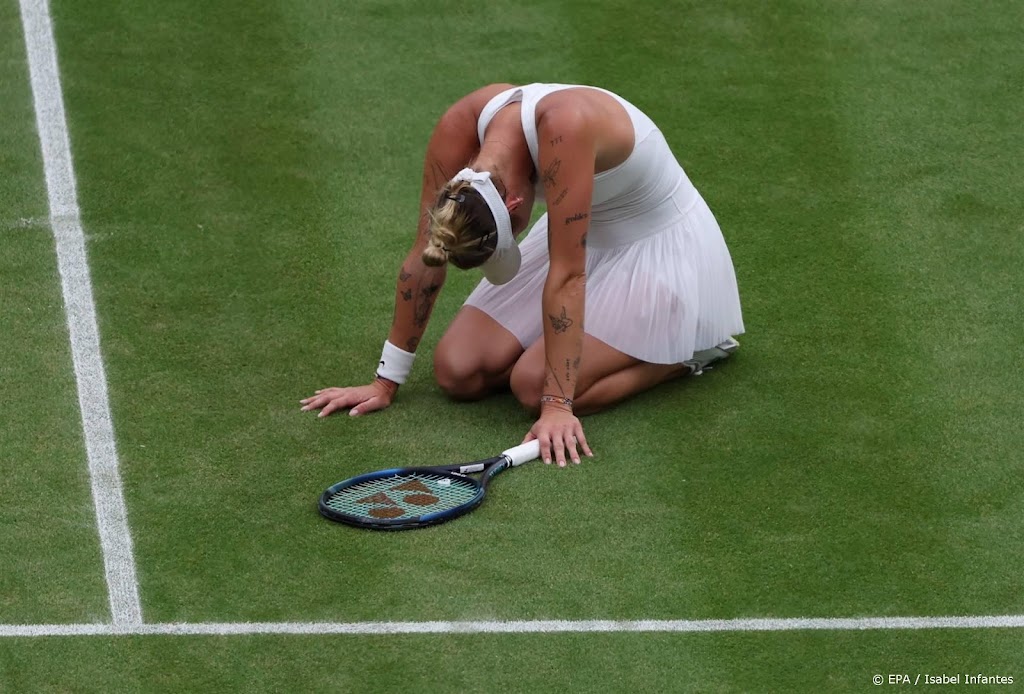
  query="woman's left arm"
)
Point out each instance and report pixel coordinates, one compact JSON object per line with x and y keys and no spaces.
{"x":567,"y":155}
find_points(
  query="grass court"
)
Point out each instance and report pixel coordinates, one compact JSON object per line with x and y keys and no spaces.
{"x":248,"y":178}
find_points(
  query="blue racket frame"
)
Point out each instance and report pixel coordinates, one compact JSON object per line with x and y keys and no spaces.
{"x":490,"y":468}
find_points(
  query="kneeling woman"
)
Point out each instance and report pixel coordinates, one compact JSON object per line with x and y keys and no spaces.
{"x":611,"y":291}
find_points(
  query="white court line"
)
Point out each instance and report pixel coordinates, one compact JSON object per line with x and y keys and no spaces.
{"x":521,"y":627}
{"x":97,"y":426}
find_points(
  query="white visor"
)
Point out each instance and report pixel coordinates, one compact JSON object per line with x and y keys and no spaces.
{"x":504,"y":263}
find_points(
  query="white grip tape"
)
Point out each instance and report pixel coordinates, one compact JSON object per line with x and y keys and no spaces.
{"x":395,"y":363}
{"x":523,"y":453}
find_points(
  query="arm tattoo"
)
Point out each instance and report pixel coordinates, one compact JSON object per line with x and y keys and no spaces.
{"x":578,"y":217}
{"x":561,"y":196}
{"x":583,"y":240}
{"x":407,"y":295}
{"x":556,"y":141}
{"x":560,"y":323}
{"x":412,"y":344}
{"x":572,"y":369}
{"x":424,"y":304}
{"x":551,"y":375}
{"x":403,"y":275}
{"x":551,"y":172}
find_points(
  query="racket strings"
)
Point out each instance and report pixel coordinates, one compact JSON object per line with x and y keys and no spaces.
{"x":403,"y":496}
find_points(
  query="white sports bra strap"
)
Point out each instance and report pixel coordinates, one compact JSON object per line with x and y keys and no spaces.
{"x":509,"y":96}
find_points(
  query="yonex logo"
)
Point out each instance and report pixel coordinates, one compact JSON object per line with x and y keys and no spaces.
{"x":386,"y":507}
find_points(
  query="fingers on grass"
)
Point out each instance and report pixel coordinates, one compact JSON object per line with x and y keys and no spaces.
{"x":360,"y":408}
{"x":374,"y":404}
{"x":560,"y":444}
{"x":584,"y":446}
{"x":334,"y":405}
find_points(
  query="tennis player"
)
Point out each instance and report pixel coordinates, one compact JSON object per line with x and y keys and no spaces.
{"x":612,"y":290}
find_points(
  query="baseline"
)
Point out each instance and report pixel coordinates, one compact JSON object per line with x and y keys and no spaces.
{"x":515,"y":627}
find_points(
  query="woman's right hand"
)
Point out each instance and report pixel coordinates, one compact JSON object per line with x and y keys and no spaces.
{"x":358,"y":400}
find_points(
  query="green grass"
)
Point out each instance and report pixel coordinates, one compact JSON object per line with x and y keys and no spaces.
{"x":52,"y":570}
{"x":527,"y":663}
{"x":248,"y":176}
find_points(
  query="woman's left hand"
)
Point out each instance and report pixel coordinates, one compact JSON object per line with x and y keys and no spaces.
{"x":559,"y":431}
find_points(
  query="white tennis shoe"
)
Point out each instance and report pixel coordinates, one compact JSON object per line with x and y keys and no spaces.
{"x":702,"y":361}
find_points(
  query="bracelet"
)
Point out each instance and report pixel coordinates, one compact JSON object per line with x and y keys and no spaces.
{"x":395,"y":363}
{"x":556,"y":399}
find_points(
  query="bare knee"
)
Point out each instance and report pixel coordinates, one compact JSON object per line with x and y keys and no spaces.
{"x":526,"y":383}
{"x":458,"y":375}
{"x":474,"y":356}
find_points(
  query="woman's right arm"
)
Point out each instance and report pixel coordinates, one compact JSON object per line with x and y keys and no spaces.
{"x":452,"y":146}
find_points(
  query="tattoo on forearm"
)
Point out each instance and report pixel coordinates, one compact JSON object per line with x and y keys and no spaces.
{"x":561,"y":196}
{"x":578,"y":217}
{"x":407,"y":295}
{"x":424,"y":304}
{"x":550,"y":172}
{"x":560,"y":323}
{"x":403,"y":275}
{"x":556,"y":140}
{"x":572,"y":370}
{"x":550,"y":376}
{"x":583,"y":240}
{"x":412,"y":344}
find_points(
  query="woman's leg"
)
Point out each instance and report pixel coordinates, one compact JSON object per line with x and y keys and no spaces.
{"x":475,"y":356}
{"x":607,"y":376}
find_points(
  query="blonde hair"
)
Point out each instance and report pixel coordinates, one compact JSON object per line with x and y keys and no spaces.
{"x":461,"y":228}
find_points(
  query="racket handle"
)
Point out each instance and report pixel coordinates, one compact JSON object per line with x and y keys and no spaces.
{"x":523,"y":453}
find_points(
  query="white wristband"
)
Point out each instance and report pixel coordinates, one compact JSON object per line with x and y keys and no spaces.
{"x":395,"y":363}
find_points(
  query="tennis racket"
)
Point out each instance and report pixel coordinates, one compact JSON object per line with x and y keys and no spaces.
{"x":415,"y":497}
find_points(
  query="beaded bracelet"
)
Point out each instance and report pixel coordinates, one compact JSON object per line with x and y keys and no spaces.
{"x":556,"y":399}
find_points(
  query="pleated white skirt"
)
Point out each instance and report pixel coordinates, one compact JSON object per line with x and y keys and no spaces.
{"x":658,"y":298}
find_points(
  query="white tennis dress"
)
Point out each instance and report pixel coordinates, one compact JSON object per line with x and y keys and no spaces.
{"x":660,"y":281}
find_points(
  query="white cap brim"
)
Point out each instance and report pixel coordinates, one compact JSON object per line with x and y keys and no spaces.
{"x":504,"y":263}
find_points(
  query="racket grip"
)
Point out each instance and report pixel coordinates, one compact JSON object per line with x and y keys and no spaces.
{"x":523,"y":453}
